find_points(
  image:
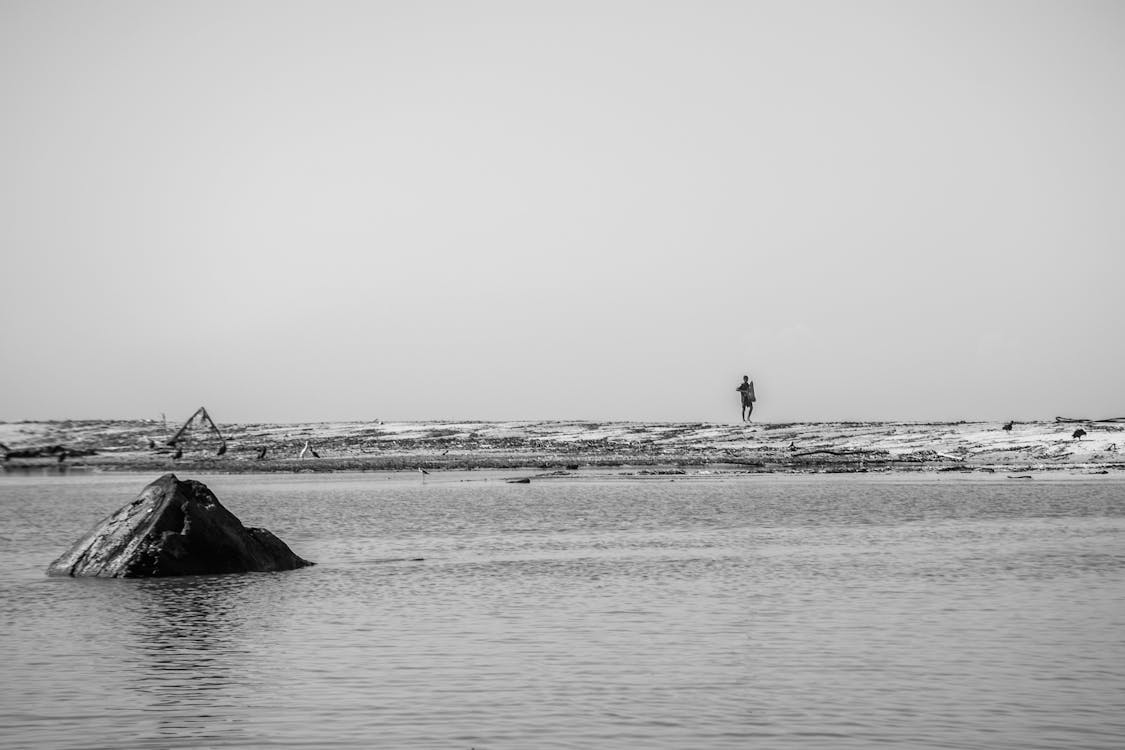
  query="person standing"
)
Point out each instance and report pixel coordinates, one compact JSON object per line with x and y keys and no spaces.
{"x":748,"y":397}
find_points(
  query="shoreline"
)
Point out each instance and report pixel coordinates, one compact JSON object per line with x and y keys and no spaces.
{"x":644,"y":448}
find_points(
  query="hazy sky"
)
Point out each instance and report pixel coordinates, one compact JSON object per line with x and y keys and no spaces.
{"x":553,"y":210}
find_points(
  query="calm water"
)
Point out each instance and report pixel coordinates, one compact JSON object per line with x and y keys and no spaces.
{"x":773,"y":612}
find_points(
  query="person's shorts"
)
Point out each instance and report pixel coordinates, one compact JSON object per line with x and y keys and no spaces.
{"x":746,"y":400}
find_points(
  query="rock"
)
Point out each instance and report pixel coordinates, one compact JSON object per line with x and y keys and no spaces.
{"x":174,"y":528}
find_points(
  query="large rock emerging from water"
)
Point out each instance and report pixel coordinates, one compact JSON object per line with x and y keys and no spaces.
{"x":174,"y":528}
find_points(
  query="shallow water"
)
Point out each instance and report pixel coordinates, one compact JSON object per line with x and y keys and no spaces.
{"x":803,"y":612}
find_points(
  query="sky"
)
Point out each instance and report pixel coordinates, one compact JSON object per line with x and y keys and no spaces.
{"x":315,"y":211}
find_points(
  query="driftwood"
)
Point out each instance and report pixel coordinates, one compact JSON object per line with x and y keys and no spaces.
{"x":60,"y":452}
{"x":1071,"y":420}
{"x":49,"y":451}
{"x":201,"y":413}
{"x":859,"y":453}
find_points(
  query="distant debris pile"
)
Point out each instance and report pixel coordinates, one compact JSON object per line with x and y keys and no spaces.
{"x":58,"y":452}
{"x":204,"y":418}
{"x":1087,"y":421}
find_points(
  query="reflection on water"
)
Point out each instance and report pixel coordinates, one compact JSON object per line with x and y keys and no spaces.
{"x":191,"y":637}
{"x":807,"y":612}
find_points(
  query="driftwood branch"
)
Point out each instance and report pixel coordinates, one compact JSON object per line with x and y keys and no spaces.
{"x":860,"y":453}
{"x":1071,"y":419}
{"x":201,"y":412}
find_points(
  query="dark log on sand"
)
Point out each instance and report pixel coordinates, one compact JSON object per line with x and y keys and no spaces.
{"x":174,"y":528}
{"x":1069,"y":420}
{"x":849,"y":453}
{"x":48,"y":451}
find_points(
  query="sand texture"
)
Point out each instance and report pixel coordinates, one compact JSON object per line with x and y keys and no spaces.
{"x":141,"y":445}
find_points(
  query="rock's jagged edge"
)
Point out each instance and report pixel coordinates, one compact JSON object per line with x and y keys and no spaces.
{"x":174,"y":528}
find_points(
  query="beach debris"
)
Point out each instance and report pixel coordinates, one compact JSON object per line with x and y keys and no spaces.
{"x":262,"y":452}
{"x":1007,"y":426}
{"x":174,"y":527}
{"x":548,"y":445}
{"x":1078,"y":434}
{"x":857,"y":452}
{"x":178,"y":454}
{"x":308,"y":450}
{"x":1019,"y":476}
{"x":1087,"y":421}
{"x":204,"y":418}
{"x":47,"y":451}
{"x":520,"y":480}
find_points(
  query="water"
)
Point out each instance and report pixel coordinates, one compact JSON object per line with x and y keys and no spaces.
{"x":779,"y":612}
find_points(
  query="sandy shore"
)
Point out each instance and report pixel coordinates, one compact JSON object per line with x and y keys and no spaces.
{"x":121,"y":445}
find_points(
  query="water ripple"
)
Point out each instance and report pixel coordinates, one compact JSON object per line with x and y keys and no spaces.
{"x":805,"y":614}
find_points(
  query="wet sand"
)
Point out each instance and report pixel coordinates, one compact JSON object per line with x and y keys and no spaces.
{"x":644,"y":448}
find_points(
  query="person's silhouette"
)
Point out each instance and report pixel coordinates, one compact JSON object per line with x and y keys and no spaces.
{"x":748,"y":398}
